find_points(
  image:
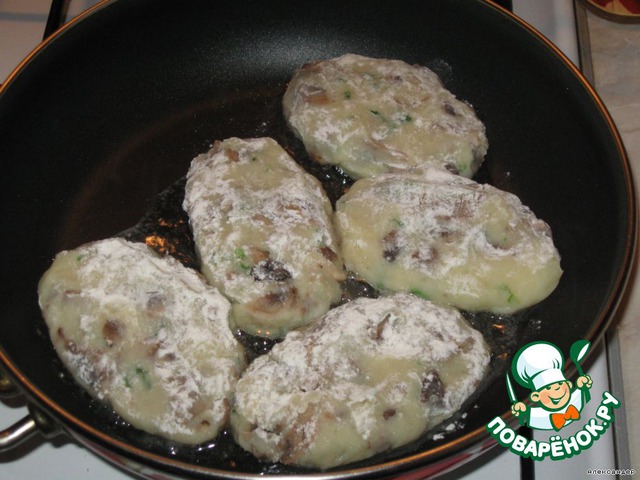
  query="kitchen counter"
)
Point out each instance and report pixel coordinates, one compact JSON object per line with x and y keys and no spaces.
{"x":615,"y":57}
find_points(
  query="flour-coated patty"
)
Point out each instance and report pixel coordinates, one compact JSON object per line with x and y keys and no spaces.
{"x":449,"y":239}
{"x":372,"y":116}
{"x":264,"y":234}
{"x":145,"y":334}
{"x":371,"y":375}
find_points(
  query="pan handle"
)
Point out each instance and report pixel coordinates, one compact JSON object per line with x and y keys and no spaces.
{"x":17,"y":433}
{"x":36,"y":421}
{"x":7,"y":388}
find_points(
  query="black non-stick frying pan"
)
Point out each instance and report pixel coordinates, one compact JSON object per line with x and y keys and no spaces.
{"x":108,"y":114}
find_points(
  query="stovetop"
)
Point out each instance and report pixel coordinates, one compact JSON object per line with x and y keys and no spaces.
{"x":22,"y":25}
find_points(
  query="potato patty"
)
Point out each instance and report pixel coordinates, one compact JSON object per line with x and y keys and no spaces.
{"x":372,"y":116}
{"x":448,"y":239}
{"x":145,"y":334}
{"x":371,"y":375}
{"x":264,"y":235}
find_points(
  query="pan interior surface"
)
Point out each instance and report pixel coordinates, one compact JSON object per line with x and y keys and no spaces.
{"x":110,"y":113}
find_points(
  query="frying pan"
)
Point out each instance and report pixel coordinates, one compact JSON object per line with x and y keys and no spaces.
{"x":107,"y":114}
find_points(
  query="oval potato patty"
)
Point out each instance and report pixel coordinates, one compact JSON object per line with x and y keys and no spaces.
{"x":371,"y":375}
{"x":264,"y":235}
{"x":145,"y":334}
{"x":372,"y":116}
{"x":448,"y":239}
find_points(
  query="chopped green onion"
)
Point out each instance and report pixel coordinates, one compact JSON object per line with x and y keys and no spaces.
{"x":511,"y":297}
{"x":239,"y":257}
{"x":419,"y":293}
{"x":143,"y":375}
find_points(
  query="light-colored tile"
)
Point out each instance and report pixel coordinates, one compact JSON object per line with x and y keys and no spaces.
{"x":615,"y":52}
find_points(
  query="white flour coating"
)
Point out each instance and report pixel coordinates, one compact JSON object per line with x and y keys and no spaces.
{"x":449,"y":239}
{"x":371,"y":375}
{"x":145,"y":334}
{"x":372,"y":116}
{"x":263,"y":231}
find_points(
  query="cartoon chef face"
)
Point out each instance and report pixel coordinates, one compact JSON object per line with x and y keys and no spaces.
{"x":538,"y":367}
{"x":553,"y":397}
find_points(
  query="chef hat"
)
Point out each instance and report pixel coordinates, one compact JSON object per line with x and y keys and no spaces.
{"x":537,"y":365}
